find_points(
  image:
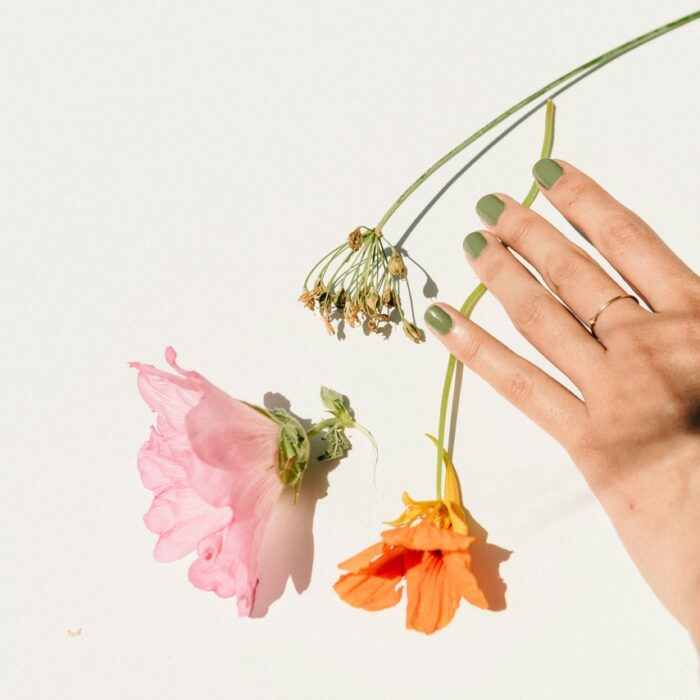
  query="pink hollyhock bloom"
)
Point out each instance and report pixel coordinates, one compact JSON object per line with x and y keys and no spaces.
{"x":213,"y":464}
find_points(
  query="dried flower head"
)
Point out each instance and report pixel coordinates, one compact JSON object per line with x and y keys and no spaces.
{"x":360,"y":282}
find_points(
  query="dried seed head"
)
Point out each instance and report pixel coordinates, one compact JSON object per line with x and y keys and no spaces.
{"x":412,"y":331}
{"x":325,"y":315}
{"x":339,"y":300}
{"x":386,"y":296}
{"x":308,"y":299}
{"x":355,"y":240}
{"x":372,"y":299}
{"x":351,"y":312}
{"x":397,"y":266}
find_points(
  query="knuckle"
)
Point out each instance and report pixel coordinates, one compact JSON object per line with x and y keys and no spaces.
{"x":494,"y":267}
{"x":621,"y":230}
{"x":532,"y":312}
{"x":470,"y":349}
{"x":562,"y":267}
{"x":573,"y":190}
{"x":519,"y":230}
{"x":518,"y":386}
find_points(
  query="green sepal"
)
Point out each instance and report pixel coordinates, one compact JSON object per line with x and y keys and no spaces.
{"x":337,"y":443}
{"x":294,"y":448}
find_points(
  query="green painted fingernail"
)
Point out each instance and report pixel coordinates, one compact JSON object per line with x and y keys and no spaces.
{"x":547,"y":172}
{"x":489,"y":208}
{"x":473,"y":244}
{"x":438,"y":319}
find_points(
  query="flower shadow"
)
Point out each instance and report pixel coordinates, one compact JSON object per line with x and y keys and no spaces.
{"x":485,"y":564}
{"x":288,"y":544}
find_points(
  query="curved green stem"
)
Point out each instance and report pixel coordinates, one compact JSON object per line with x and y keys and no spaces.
{"x":607,"y":56}
{"x":473,"y":299}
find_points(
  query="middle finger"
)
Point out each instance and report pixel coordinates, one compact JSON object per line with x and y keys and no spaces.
{"x":573,"y":275}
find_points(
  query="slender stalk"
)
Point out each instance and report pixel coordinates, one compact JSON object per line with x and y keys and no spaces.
{"x":607,"y":56}
{"x":466,"y":309}
{"x":325,"y":257}
{"x":473,"y":299}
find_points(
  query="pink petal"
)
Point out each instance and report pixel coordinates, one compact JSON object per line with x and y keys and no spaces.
{"x":157,"y":467}
{"x":182,"y":519}
{"x":177,"y":514}
{"x":228,"y":562}
{"x":211,"y":459}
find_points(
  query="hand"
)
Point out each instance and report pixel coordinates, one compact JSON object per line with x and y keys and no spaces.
{"x":635,"y":433}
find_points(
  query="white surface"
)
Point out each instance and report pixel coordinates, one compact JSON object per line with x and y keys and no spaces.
{"x":168,"y":171}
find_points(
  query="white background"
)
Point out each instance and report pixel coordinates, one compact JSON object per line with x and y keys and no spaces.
{"x":168,"y":172}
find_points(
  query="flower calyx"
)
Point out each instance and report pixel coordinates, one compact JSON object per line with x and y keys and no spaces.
{"x":446,"y":513}
{"x":294,"y":448}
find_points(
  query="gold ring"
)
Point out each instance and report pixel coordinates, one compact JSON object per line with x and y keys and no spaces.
{"x":594,"y":319}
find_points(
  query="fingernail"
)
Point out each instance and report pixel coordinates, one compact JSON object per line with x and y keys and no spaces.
{"x":438,"y":319}
{"x":547,"y":172}
{"x":473,"y":244}
{"x":489,"y":208}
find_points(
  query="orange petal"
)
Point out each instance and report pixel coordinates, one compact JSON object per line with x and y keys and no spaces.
{"x":375,"y":586}
{"x":457,"y":568}
{"x":432,"y":598}
{"x":426,"y":536}
{"x":363,"y":558}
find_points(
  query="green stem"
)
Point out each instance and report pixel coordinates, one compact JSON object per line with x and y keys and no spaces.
{"x":316,"y":429}
{"x":466,"y":309}
{"x":607,"y":56}
{"x":325,"y":257}
{"x":473,"y":299}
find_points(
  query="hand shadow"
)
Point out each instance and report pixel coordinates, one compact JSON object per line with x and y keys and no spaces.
{"x":486,"y":561}
{"x":288,"y":543}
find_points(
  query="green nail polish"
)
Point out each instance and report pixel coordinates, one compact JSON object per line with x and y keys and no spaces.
{"x":489,"y":208}
{"x":473,"y":244}
{"x":547,"y":172}
{"x":438,"y":319}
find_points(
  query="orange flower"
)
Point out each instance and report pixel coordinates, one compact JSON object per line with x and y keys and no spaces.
{"x":432,"y":556}
{"x":435,"y":563}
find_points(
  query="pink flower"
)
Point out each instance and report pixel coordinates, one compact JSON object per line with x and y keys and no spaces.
{"x":213,"y":464}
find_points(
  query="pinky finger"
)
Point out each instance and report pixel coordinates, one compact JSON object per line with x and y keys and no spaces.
{"x":531,"y":390}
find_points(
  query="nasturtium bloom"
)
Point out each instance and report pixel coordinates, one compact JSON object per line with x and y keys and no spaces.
{"x":428,"y":549}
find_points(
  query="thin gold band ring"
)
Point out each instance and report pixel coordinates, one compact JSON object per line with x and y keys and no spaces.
{"x":594,"y":319}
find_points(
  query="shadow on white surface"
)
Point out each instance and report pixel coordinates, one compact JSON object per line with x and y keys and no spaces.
{"x":288,"y":544}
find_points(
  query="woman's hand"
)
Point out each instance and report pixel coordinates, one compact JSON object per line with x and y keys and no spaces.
{"x":635,"y":433}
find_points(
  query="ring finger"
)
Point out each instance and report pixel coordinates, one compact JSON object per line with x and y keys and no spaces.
{"x":539,"y":317}
{"x":578,"y":280}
